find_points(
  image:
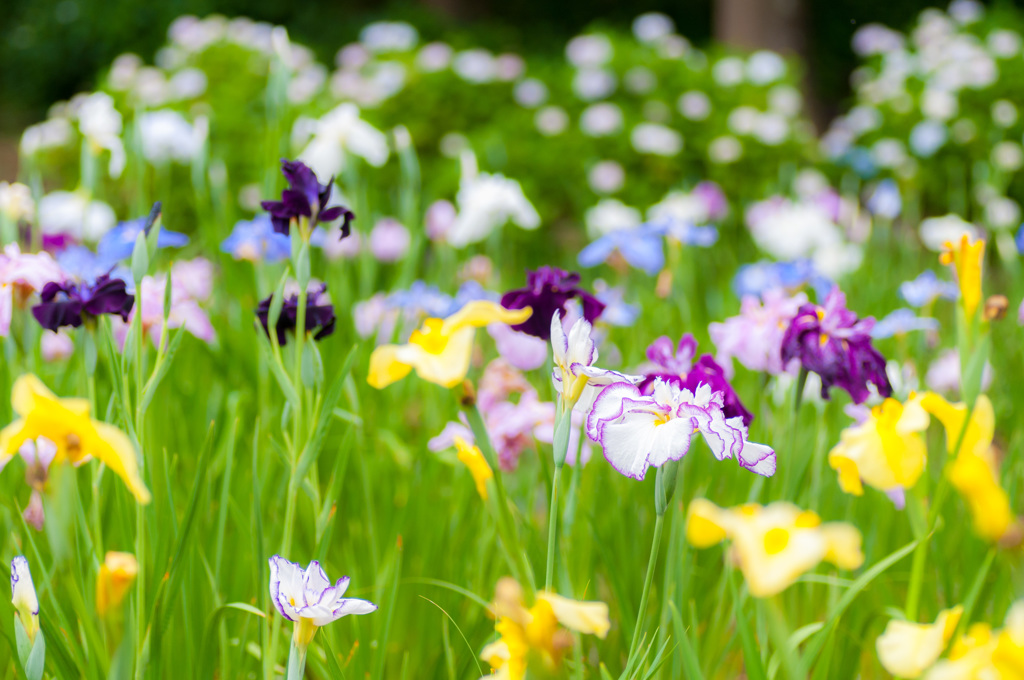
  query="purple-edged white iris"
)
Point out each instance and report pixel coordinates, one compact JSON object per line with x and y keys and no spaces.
{"x":575,"y":376}
{"x":638,"y":432}
{"x":307,"y":598}
{"x":23,"y":596}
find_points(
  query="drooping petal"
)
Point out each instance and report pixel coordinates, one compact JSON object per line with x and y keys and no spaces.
{"x":908,"y":649}
{"x":590,"y":618}
{"x":385,"y":366}
{"x":478,"y":313}
{"x":113,"y":447}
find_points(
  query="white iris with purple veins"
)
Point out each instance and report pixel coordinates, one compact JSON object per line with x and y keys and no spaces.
{"x":639,"y":431}
{"x":306,"y":597}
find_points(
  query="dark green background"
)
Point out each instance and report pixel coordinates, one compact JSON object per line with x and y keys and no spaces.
{"x":51,"y":49}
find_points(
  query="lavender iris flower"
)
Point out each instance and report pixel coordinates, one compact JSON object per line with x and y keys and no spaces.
{"x":926,"y":288}
{"x":305,"y":197}
{"x":674,"y":364}
{"x":71,"y":304}
{"x":903,"y":321}
{"x":319,"y":314}
{"x":760,"y":277}
{"x":640,"y":246}
{"x":118,"y":243}
{"x":257,"y":241}
{"x":546,"y":292}
{"x":834,"y":343}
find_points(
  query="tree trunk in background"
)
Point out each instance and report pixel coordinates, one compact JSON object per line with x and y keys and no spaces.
{"x":778,"y":25}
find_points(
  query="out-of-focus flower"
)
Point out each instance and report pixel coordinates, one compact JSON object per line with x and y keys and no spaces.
{"x":617,"y":312}
{"x":531,"y":639}
{"x":984,"y":653}
{"x":522,"y":350}
{"x":471,"y":456}
{"x":38,"y":454}
{"x":118,"y":243}
{"x":73,"y":215}
{"x":166,"y":136}
{"x":834,"y":343}
{"x":389,"y":36}
{"x":257,"y":241}
{"x":389,"y":240}
{"x":475,"y":66}
{"x":610,"y":214}
{"x":591,"y":50}
{"x":656,"y":139}
{"x":190,"y":286}
{"x":651,"y":27}
{"x":885,"y":200}
{"x":23,"y":596}
{"x":486,"y":202}
{"x":434,"y":57}
{"x":754,"y":337}
{"x":927,"y":288}
{"x":546,"y":292}
{"x":551,"y":121}
{"x":117,"y":574}
{"x":907,"y":649}
{"x":639,"y":431}
{"x":338,"y":133}
{"x":758,"y":278}
{"x":885,"y":450}
{"x":774,"y":544}
{"x":967,"y":258}
{"x":56,"y":346}
{"x":439,"y":220}
{"x":944,"y":374}
{"x":305,"y":198}
{"x":601,"y":120}
{"x":319,"y":314}
{"x":901,"y":322}
{"x":674,"y":364}
{"x":16,"y":202}
{"x":936,"y":232}
{"x":21,"y":275}
{"x":440,"y":350}
{"x":72,"y":304}
{"x":307,"y":598}
{"x":974,"y":471}
{"x":100,"y":124}
{"x":606,"y":177}
{"x":640,"y":246}
{"x":66,"y":423}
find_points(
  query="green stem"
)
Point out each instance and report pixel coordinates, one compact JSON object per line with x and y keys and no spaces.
{"x":780,"y":634}
{"x":659,"y":527}
{"x":549,"y":571}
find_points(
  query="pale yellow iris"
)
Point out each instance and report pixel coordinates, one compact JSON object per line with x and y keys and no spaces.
{"x":67,"y":424}
{"x":908,"y":649}
{"x":441,"y":349}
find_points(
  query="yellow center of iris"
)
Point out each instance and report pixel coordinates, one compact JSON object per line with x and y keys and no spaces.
{"x":776,"y":540}
{"x":431,"y":337}
{"x":807,"y":520}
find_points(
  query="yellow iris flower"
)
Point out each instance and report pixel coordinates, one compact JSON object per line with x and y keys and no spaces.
{"x":116,"y":576}
{"x":67,"y":424}
{"x":473,"y":458}
{"x":908,"y":649}
{"x":975,"y":472}
{"x":984,"y":653}
{"x":886,"y":451}
{"x":967,"y":258}
{"x":775,"y":544}
{"x":535,"y":637}
{"x":441,"y":349}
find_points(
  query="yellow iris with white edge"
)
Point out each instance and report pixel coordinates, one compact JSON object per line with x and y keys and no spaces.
{"x":975,"y":471}
{"x":441,"y":349}
{"x":886,"y":451}
{"x":775,"y":544}
{"x":909,"y":649}
{"x":538,"y":637}
{"x":984,"y":654}
{"x":67,"y":424}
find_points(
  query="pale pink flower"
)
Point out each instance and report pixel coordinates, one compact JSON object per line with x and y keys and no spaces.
{"x":22,"y":274}
{"x":56,"y":346}
{"x":754,"y":337}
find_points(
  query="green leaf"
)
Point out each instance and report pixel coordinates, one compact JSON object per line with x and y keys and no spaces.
{"x":160,"y":370}
{"x":687,"y":653}
{"x":140,"y":261}
{"x":315,"y":444}
{"x":751,"y":653}
{"x":37,"y":658}
{"x":274,"y":362}
{"x":276,"y":302}
{"x":208,"y":659}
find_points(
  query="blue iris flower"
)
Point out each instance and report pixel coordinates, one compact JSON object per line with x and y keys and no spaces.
{"x":926,"y":288}
{"x":118,"y":243}
{"x":640,"y":246}
{"x":257,"y":241}
{"x":902,"y":321}
{"x":760,"y":277}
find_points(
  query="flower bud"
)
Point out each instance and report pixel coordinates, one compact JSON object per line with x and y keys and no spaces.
{"x":115,"y":578}
{"x":995,"y":307}
{"x":23,"y":596}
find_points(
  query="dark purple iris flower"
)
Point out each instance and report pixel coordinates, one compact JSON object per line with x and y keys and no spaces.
{"x":70,"y":304}
{"x":305,"y":197}
{"x":834,"y":343}
{"x":674,"y":364}
{"x":546,"y":292}
{"x":319,"y":314}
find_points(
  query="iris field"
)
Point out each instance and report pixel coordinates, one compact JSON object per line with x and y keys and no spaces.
{"x":436,"y":362}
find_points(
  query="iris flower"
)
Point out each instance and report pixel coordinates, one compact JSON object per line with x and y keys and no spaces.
{"x":471,"y":456}
{"x":641,"y":246}
{"x":256,"y":240}
{"x":319,"y":314}
{"x":305,"y":198}
{"x":72,"y":304}
{"x":885,"y":451}
{"x":986,"y":653}
{"x":532,"y":638}
{"x":754,"y":337}
{"x":967,"y":257}
{"x":834,"y":343}
{"x":118,"y":243}
{"x":117,"y":574}
{"x":546,"y":292}
{"x":67,"y":424}
{"x":775,"y":544}
{"x":440,"y":350}
{"x":927,"y":288}
{"x":907,"y":649}
{"x":307,"y":598}
{"x":23,"y":596}
{"x":574,"y":371}
{"x":640,"y":431}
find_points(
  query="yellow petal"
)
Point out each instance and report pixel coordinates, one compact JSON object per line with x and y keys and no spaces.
{"x":448,"y":367}
{"x":590,"y":618}
{"x":480,"y":313}
{"x":842,"y":545}
{"x":11,"y":437}
{"x":978,"y":482}
{"x":116,"y":576}
{"x":385,"y":368}
{"x":849,"y":475}
{"x":980,"y":430}
{"x":473,"y":458}
{"x":908,"y":649}
{"x":112,"y":446}
{"x":704,"y":524}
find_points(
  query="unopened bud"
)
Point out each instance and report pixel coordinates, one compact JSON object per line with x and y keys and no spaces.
{"x":468,"y":398}
{"x":995,"y":307}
